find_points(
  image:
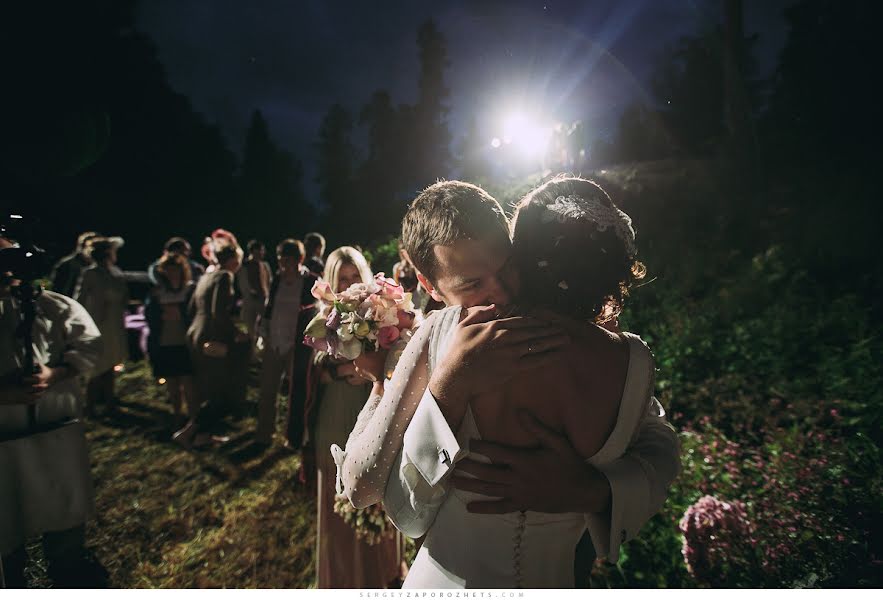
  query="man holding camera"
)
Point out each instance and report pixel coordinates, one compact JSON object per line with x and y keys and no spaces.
{"x":45,"y":479}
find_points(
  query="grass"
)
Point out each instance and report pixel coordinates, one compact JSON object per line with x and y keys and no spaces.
{"x":224,"y":517}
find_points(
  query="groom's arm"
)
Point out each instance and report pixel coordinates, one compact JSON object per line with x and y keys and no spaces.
{"x":617,"y":498}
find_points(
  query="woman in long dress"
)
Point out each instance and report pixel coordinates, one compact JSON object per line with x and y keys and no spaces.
{"x":343,"y":560}
{"x":104,"y":294}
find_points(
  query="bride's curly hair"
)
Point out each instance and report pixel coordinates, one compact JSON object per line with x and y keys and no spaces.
{"x":571,"y":267}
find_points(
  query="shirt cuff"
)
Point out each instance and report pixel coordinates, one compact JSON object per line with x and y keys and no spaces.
{"x":429,"y":443}
{"x":339,"y":455}
{"x":628,"y":497}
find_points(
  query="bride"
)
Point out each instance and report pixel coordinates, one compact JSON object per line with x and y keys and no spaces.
{"x":574,"y":255}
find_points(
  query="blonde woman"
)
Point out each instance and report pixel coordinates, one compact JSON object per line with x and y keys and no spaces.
{"x":343,"y":561}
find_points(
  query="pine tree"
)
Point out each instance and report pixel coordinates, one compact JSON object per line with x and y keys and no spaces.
{"x":335,"y":177}
{"x":271,"y":187}
{"x":431,"y":136}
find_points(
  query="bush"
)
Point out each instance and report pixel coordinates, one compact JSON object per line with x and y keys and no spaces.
{"x":772,"y":381}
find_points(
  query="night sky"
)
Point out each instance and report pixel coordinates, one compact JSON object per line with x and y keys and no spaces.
{"x":292,"y":60}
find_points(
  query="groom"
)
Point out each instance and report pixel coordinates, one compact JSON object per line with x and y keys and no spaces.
{"x":457,"y":236}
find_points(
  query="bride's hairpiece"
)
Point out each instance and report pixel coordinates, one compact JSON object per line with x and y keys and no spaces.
{"x":577,"y":208}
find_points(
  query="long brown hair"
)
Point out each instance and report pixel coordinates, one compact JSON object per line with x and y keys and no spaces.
{"x":175,"y":261}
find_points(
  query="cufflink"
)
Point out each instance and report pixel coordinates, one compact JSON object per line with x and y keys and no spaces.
{"x":443,"y":456}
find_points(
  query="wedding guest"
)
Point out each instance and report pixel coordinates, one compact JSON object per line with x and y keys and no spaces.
{"x":299,"y":382}
{"x":103,"y":292}
{"x":314,"y":244}
{"x":254,"y":284}
{"x":217,"y":349}
{"x":46,"y":491}
{"x":404,"y":273}
{"x":180,"y":246}
{"x":66,"y":272}
{"x":218,"y":238}
{"x":168,"y":321}
{"x":279,"y":328}
{"x":343,"y":560}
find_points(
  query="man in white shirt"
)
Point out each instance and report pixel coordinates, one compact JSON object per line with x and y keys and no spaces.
{"x":45,"y":478}
{"x":475,"y":269}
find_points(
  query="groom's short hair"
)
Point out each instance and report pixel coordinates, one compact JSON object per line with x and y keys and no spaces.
{"x":444,"y":213}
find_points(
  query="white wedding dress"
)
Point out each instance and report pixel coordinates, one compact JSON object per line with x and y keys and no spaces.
{"x":465,"y":550}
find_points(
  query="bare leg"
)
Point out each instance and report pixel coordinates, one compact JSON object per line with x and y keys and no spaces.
{"x":174,"y":384}
{"x":187,"y":395}
{"x":185,"y":435}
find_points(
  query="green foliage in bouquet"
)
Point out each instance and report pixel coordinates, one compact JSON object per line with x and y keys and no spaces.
{"x":370,"y":524}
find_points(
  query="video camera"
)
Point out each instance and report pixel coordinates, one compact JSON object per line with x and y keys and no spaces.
{"x":24,"y":260}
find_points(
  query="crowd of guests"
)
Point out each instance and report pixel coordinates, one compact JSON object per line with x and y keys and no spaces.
{"x":208,"y":324}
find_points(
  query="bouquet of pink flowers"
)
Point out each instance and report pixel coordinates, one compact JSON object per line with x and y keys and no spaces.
{"x":362,"y":318}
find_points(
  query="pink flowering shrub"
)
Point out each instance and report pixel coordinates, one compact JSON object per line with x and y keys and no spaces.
{"x":808,"y":517}
{"x":774,"y":386}
{"x":718,"y":538}
{"x":790,"y":509}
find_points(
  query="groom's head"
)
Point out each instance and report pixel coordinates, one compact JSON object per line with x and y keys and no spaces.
{"x":457,"y":236}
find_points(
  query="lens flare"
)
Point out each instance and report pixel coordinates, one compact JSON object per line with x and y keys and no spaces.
{"x":527,"y":133}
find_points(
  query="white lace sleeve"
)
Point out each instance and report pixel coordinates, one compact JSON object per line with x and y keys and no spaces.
{"x":371,"y":449}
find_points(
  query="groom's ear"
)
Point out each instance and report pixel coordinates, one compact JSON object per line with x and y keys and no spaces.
{"x":429,"y":287}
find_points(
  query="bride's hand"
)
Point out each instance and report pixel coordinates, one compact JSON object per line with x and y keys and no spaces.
{"x":486,"y":351}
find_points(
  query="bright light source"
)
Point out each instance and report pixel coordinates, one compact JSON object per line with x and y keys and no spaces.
{"x":118,"y":368}
{"x":162,"y":381}
{"x":16,"y":217}
{"x":495,"y":143}
{"x":527,"y":134}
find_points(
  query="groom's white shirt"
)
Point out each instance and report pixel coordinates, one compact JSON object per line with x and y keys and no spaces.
{"x":639,"y":480}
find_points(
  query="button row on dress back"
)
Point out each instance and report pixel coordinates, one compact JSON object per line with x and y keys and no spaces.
{"x":516,"y":560}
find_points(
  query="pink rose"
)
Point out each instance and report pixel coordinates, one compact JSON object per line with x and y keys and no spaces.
{"x":387,"y":336}
{"x":388,"y":287}
{"x":406,"y":319}
{"x":322,"y":291}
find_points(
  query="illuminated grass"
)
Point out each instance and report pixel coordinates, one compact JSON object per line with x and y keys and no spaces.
{"x":228,"y":516}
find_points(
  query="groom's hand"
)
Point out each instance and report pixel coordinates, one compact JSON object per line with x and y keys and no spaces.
{"x":553,"y":478}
